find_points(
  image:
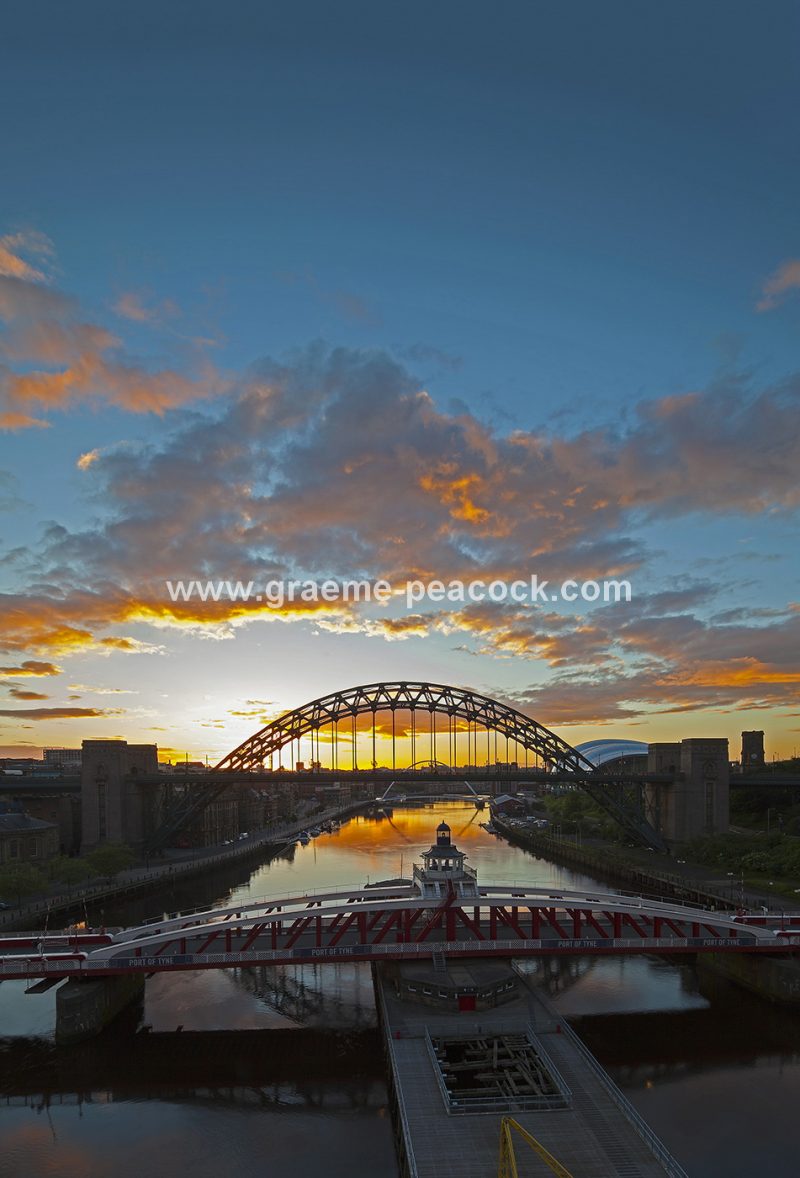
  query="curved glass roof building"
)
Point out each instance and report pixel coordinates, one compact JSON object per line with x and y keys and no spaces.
{"x":600,"y":751}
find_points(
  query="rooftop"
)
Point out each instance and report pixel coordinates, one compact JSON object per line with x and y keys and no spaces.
{"x":21,"y":823}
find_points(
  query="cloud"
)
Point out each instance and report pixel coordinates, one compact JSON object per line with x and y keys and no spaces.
{"x":779,"y":284}
{"x":66,"y":623}
{"x":52,"y":356}
{"x":13,"y":247}
{"x":92,"y":376}
{"x":86,"y":460}
{"x":391,"y":629}
{"x":131,"y":305}
{"x":337,"y":463}
{"x":31,"y":667}
{"x":660,"y":663}
{"x":11,"y":422}
{"x":21,"y":714}
{"x":20,"y":693}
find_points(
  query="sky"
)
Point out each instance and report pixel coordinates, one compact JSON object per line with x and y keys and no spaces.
{"x":449,"y":291}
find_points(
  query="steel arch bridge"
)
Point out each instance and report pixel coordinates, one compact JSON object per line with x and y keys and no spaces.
{"x":456,"y":703}
{"x":621,"y":797}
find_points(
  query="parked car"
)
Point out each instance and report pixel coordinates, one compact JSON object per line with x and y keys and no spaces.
{"x":3,"y":906}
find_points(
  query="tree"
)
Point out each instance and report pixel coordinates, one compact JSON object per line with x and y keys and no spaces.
{"x":68,"y":871}
{"x":110,"y":859}
{"x":20,"y":880}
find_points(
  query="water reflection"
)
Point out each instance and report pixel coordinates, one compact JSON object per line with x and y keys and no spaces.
{"x":203,"y":1136}
{"x":715,"y":1070}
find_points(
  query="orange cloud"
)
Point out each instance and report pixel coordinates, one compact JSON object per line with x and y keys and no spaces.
{"x":14,"y":421}
{"x":58,"y":713}
{"x":131,"y":387}
{"x":20,"y":693}
{"x":458,"y":495}
{"x":783,"y":280}
{"x":12,"y":262}
{"x":66,"y":359}
{"x":86,"y":460}
{"x":64,"y":625}
{"x":746,"y":672}
{"x":31,"y":667}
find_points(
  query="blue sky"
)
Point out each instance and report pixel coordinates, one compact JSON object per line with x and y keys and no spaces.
{"x":553,"y":220}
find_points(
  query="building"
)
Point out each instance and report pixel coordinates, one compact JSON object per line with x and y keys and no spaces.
{"x":508,"y":805}
{"x":19,"y":766}
{"x":461,"y":984}
{"x":60,"y":758}
{"x":114,"y":806}
{"x":696,"y":800}
{"x":616,"y":754}
{"x":444,"y":870}
{"x":26,"y":840}
{"x":752,"y":750}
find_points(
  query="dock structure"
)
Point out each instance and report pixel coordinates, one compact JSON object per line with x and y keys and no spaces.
{"x":456,"y":1074}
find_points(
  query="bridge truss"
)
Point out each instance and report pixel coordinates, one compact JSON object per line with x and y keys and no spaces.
{"x":388,"y":923}
{"x":464,"y":714}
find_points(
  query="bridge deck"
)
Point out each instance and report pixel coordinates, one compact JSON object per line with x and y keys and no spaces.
{"x":593,"y":1138}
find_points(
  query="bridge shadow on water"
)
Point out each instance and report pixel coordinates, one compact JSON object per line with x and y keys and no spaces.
{"x":299,"y":1066}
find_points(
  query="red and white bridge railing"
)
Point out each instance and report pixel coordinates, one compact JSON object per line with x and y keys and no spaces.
{"x":380,"y":923}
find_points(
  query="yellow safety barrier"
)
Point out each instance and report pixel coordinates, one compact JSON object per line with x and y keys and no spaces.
{"x":507,"y":1167}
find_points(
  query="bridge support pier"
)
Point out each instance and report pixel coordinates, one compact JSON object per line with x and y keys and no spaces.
{"x":85,"y":1008}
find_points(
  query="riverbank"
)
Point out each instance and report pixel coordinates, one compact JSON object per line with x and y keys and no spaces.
{"x":177,"y":865}
{"x":688,"y":883}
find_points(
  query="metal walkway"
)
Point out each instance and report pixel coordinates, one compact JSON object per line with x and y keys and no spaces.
{"x":593,"y":1138}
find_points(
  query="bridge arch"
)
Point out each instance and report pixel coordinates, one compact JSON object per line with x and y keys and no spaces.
{"x":456,"y":703}
{"x":623,"y":800}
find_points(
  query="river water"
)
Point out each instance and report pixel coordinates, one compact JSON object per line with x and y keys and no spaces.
{"x":714,"y":1070}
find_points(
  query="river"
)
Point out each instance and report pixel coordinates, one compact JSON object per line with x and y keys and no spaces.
{"x":714,"y":1070}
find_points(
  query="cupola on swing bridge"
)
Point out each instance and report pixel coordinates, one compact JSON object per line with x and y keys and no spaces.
{"x":444,"y":868}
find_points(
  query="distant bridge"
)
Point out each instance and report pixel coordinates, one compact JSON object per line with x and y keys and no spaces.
{"x":467,"y":717}
{"x":395,"y":923}
{"x":468,"y":794}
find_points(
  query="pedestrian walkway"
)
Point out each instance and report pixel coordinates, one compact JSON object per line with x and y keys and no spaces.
{"x":593,"y":1133}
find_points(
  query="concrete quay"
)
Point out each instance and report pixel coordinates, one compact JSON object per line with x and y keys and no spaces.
{"x":595,"y":1133}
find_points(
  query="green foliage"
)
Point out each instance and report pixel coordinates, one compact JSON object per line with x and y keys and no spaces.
{"x":110,"y":859}
{"x":574,"y":809}
{"x":68,"y":871}
{"x":19,"y":880}
{"x":775,"y":855}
